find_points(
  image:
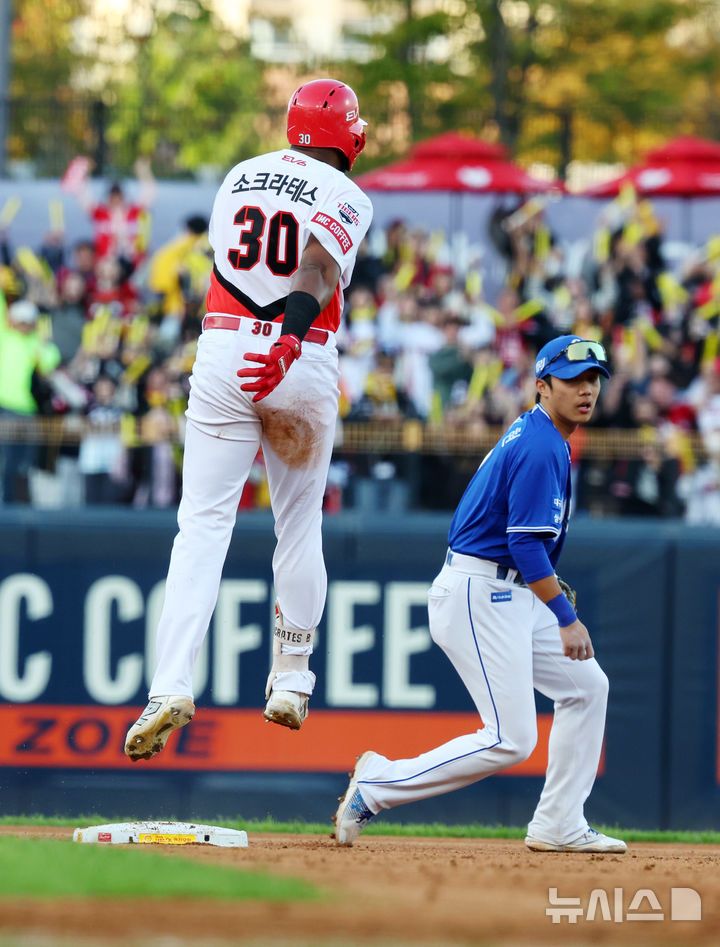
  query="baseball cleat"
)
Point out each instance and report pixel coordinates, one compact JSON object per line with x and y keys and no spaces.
{"x":149,"y":734}
{"x":352,"y":814}
{"x":590,"y":841}
{"x":287,"y":708}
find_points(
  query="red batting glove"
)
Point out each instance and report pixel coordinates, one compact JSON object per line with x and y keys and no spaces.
{"x":273,"y":366}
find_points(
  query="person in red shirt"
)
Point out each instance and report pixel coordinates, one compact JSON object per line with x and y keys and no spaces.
{"x":121,"y":227}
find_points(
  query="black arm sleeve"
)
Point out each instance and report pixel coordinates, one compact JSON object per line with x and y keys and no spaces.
{"x":301,"y":310}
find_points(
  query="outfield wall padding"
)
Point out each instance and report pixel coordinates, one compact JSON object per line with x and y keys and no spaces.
{"x":79,"y":598}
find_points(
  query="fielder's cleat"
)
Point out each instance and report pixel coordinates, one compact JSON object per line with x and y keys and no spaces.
{"x":149,"y":734}
{"x":590,"y":841}
{"x":352,"y":814}
{"x":287,"y":708}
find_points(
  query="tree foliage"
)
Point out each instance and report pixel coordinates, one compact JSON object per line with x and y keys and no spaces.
{"x":194,"y":97}
{"x":613,"y":65}
{"x":185,"y":91}
{"x":554,"y":79}
{"x":44,"y":55}
{"x":409,"y":86}
{"x":596,"y":79}
{"x":43,"y":61}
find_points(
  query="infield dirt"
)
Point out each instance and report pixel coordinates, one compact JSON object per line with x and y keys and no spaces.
{"x":395,"y":891}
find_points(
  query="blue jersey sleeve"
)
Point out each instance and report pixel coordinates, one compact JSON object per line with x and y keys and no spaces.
{"x":536,"y":491}
{"x":530,"y":556}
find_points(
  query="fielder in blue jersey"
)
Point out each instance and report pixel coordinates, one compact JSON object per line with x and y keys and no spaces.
{"x":500,"y":615}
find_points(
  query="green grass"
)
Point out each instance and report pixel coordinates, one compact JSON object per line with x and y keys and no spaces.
{"x":393,"y":829}
{"x":51,"y":868}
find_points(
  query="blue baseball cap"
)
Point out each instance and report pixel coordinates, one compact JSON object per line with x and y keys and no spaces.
{"x":569,"y":356}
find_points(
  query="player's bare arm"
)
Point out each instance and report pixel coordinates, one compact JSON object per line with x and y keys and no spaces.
{"x":318,"y":273}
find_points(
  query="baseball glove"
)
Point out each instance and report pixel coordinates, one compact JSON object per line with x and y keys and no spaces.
{"x":570,"y":593}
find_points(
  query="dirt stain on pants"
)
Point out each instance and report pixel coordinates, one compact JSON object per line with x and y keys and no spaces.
{"x":292,"y":436}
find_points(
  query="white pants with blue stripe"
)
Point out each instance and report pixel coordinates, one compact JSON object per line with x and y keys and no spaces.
{"x":503,"y":642}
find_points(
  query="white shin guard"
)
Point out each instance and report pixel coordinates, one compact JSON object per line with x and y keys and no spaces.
{"x":291,"y":658}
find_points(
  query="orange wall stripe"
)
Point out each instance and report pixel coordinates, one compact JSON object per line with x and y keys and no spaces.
{"x":92,"y":737}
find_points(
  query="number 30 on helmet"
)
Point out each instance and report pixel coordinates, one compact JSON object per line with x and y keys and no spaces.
{"x":324,"y":113}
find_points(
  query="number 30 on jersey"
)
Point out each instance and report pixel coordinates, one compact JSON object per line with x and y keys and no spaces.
{"x":279,"y":241}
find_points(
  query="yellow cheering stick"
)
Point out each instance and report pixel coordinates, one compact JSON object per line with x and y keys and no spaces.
{"x":648,"y":331}
{"x":32,"y":264}
{"x":710,"y":349}
{"x":627,"y":196}
{"x":712,"y":249}
{"x":57,"y":216}
{"x":474,"y":284}
{"x":89,"y":338}
{"x":9,"y":211}
{"x":601,"y":245}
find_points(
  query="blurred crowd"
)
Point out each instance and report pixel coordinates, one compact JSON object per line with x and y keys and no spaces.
{"x":104,"y":333}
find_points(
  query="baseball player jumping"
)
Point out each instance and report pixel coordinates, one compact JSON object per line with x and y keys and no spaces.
{"x":285,"y":229}
{"x":499,"y":613}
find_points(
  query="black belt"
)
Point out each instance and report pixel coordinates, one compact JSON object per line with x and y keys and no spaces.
{"x":502,"y":573}
{"x":485,"y":567}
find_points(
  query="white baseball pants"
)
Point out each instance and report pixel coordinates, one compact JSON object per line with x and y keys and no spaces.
{"x":503,"y":642}
{"x":295,"y":425}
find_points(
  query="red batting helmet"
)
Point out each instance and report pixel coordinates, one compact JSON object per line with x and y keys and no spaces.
{"x":324,"y":113}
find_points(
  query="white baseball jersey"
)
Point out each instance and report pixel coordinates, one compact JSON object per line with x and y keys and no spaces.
{"x":263,"y":214}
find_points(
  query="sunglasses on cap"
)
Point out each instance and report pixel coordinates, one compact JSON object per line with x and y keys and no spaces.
{"x":580,"y":352}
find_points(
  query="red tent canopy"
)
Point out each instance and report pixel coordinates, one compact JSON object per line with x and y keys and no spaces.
{"x":454,"y":162}
{"x":684,"y":167}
